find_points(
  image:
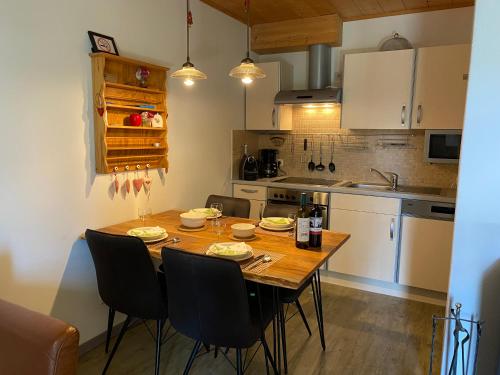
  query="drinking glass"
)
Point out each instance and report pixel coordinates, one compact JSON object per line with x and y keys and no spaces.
{"x":145,"y":213}
{"x":219,"y":227}
{"x":216,"y":206}
{"x":293,"y":218}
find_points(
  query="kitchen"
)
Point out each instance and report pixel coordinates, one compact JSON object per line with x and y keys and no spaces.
{"x":408,"y":251}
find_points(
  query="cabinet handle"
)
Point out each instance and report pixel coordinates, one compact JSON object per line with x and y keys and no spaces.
{"x":419,"y":114}
{"x":249,"y":191}
{"x":273,"y":116}
{"x":391,"y":230}
{"x":403,"y":115}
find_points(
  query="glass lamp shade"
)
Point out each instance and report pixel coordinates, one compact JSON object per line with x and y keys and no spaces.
{"x":247,"y":71}
{"x":189,"y":74}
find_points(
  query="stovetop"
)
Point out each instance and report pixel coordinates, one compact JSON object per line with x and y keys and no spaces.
{"x":308,"y":181}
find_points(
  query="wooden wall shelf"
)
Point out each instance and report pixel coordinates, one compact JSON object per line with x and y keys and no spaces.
{"x":119,"y":146}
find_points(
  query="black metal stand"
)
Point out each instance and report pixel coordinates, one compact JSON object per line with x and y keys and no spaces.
{"x":462,"y":341}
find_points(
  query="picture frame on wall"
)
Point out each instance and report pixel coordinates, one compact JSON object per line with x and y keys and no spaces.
{"x":103,"y":43}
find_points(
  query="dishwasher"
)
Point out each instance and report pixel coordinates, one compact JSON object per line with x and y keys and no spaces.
{"x":425,"y":244}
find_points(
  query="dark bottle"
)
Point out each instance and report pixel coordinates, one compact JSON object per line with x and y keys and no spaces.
{"x":243,"y":160}
{"x":302,"y":224}
{"x":315,"y":226}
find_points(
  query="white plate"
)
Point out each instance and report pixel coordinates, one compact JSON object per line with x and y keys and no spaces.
{"x":157,"y":239}
{"x":203,"y":211}
{"x":275,"y":229}
{"x":238,"y":257}
{"x":161,"y":233}
{"x":273,"y":225}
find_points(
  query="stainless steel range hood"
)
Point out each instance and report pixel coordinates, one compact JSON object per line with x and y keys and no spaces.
{"x":320,"y":90}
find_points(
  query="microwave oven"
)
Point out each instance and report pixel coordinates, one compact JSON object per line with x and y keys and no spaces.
{"x":442,"y":146}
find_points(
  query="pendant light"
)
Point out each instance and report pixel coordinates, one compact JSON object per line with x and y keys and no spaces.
{"x":188,"y":72}
{"x":247,"y":71}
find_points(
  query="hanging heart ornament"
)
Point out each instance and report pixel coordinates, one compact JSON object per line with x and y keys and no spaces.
{"x":147,"y":183}
{"x":138,"y":184}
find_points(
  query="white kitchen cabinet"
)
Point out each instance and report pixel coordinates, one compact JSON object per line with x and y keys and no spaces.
{"x":257,"y":196}
{"x":441,"y":87}
{"x":377,"y":90}
{"x":371,"y":251}
{"x":261,"y":112}
{"x":425,"y":258}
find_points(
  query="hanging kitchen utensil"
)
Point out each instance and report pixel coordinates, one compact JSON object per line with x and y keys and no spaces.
{"x":303,"y":157}
{"x":320,"y":167}
{"x":331,"y":166}
{"x":311,"y":164}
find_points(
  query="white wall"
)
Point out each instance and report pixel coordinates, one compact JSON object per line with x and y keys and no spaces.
{"x":475,"y":270}
{"x":49,"y":190}
{"x":421,"y":29}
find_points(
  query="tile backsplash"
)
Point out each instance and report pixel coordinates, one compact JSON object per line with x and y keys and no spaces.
{"x":355,"y":151}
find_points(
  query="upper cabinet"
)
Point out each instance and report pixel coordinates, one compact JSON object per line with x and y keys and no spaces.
{"x":377,"y":90}
{"x":261,"y":113}
{"x":440,"y":87}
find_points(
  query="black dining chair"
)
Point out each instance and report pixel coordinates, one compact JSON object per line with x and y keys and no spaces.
{"x":291,"y":296}
{"x":237,"y":207}
{"x":128,"y":283}
{"x":209,"y":302}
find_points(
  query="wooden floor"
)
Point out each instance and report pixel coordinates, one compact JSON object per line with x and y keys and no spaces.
{"x":366,"y":333}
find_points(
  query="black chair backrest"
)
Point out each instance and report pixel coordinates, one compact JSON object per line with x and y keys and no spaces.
{"x":126,"y":277}
{"x":237,"y":207}
{"x":279,"y":210}
{"x":207,"y":298}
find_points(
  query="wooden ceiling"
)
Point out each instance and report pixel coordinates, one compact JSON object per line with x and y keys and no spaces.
{"x":265,"y":11}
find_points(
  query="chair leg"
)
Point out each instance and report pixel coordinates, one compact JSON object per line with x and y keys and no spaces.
{"x":159,"y":328}
{"x":268,"y":355}
{"x":117,"y":343}
{"x":283,"y":337}
{"x":304,"y":319}
{"x":111,"y":319}
{"x":192,"y":357}
{"x":239,"y":366}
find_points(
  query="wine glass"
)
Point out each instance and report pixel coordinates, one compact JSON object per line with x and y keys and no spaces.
{"x":219,"y":227}
{"x":293,"y":218}
{"x":144,"y":213}
{"x":216,"y":207}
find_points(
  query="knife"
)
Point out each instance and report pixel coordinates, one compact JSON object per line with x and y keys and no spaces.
{"x":256,"y":260}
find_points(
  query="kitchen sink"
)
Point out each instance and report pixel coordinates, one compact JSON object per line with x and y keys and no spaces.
{"x":369,"y":186}
{"x":401,"y":188}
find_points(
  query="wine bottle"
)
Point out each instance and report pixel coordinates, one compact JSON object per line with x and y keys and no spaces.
{"x":243,"y":161}
{"x":315,"y":226}
{"x":302,"y":224}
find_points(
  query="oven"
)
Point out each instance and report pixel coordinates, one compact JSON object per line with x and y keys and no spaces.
{"x":291,"y":197}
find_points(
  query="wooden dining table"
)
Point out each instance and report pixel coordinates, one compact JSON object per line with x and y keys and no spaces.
{"x":290,"y":267}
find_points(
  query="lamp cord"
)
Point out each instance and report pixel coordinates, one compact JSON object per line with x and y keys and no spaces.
{"x":247,"y":11}
{"x":189,"y":22}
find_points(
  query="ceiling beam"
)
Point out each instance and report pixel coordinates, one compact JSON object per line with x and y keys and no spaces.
{"x":296,"y":35}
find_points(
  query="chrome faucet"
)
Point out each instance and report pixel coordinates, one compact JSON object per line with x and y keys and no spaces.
{"x":393,"y":180}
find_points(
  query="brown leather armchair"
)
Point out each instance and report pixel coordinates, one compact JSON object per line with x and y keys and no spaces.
{"x":33,"y":343}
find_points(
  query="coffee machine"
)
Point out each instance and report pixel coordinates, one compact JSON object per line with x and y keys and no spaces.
{"x":268,"y":163}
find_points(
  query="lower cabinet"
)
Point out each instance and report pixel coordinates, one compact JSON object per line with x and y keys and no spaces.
{"x":426,"y":247}
{"x":257,"y":196}
{"x":373,"y":223}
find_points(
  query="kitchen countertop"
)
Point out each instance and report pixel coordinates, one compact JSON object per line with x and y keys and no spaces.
{"x":445,"y":196}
